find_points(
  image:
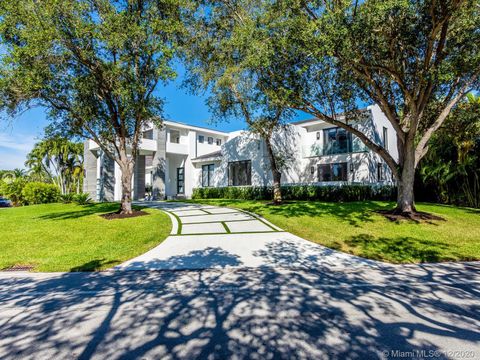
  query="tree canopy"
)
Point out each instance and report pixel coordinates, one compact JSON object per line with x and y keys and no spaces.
{"x":94,"y":64}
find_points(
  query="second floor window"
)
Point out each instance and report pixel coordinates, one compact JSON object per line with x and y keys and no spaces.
{"x":210,"y":140}
{"x":201,"y":139}
{"x":336,"y":141}
{"x":219,"y":142}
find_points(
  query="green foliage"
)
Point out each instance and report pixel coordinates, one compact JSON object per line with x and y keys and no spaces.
{"x":12,"y":190}
{"x":415,"y":59}
{"x":82,"y":198}
{"x":40,"y":193}
{"x":59,"y":161}
{"x":342,"y":193}
{"x":67,"y":198}
{"x":93,"y":64}
{"x":450,"y":173}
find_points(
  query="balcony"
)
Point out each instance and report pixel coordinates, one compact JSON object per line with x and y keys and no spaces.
{"x":174,"y":148}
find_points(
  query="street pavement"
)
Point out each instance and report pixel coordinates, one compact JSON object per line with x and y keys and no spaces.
{"x":260,"y":313}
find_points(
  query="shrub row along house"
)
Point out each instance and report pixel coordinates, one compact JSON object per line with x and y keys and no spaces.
{"x":178,"y":158}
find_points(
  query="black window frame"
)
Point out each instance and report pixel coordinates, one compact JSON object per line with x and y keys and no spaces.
{"x":210,"y":140}
{"x":330,"y":166}
{"x":236,"y":165}
{"x":380,"y":172}
{"x":385,"y":137}
{"x":210,"y":171}
{"x":219,"y":142}
{"x":338,"y":129}
{"x":201,"y":139}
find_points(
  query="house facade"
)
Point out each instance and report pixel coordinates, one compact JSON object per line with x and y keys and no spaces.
{"x":177,"y":158}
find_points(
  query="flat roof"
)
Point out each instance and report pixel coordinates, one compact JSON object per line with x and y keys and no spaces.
{"x":312,"y":120}
{"x":184,"y":125}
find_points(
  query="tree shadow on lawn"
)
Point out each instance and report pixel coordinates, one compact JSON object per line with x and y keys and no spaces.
{"x":402,"y":249}
{"x":85,"y":210}
{"x":94,"y":265}
{"x":354,"y":213}
{"x":242,"y":314}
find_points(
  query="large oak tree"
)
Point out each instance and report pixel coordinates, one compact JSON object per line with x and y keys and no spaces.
{"x":415,"y":58}
{"x":94,"y":64}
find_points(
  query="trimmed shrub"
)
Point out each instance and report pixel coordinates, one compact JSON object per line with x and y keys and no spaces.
{"x":82,"y":198}
{"x":12,"y":190}
{"x":40,"y":193}
{"x":331,"y":193}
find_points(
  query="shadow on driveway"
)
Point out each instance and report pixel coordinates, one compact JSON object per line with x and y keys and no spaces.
{"x":263,"y":313}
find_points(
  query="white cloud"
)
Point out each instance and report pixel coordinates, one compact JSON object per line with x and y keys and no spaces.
{"x":14,"y":148}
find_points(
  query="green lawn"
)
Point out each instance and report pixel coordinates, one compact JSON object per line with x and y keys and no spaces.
{"x":356,"y":229}
{"x":68,"y":237}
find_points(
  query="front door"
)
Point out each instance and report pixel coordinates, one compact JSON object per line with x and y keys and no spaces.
{"x":180,"y":180}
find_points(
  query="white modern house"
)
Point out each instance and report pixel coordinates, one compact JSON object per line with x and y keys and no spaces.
{"x":177,"y":158}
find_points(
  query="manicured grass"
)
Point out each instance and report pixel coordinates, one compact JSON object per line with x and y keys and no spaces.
{"x":355,"y":228}
{"x":68,"y":237}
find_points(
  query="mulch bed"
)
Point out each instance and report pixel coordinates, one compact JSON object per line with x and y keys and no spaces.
{"x":19,"y":267}
{"x":117,"y":215}
{"x":418,"y":216}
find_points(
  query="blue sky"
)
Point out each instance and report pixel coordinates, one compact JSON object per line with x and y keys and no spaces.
{"x":18,"y":136}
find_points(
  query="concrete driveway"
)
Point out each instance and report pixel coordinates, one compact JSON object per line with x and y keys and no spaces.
{"x":209,"y":237}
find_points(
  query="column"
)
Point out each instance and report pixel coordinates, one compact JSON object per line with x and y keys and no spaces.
{"x":159,"y":164}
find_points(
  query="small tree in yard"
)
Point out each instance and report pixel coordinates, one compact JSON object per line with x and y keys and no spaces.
{"x":223,"y":58}
{"x":415,"y":59}
{"x":94,"y":64}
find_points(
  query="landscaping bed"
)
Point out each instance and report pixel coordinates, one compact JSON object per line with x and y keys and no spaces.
{"x":358,"y":228}
{"x":69,"y":237}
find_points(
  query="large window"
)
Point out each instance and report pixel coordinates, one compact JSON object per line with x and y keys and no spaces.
{"x":207,"y":175}
{"x":336,"y":141}
{"x":240,"y":173}
{"x":332,"y":172}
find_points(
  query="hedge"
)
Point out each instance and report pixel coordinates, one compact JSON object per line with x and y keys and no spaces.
{"x":40,"y":193}
{"x":332,"y":193}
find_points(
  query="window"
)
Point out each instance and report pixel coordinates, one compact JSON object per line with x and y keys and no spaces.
{"x":219,"y":142}
{"x":148,"y":134}
{"x":380,"y":175}
{"x":201,"y":139}
{"x":210,"y":140}
{"x":385,"y":138}
{"x":175,"y":136}
{"x":240,"y":173}
{"x":207,"y":175}
{"x":332,"y":172}
{"x":336,"y":141}
{"x":318,"y":135}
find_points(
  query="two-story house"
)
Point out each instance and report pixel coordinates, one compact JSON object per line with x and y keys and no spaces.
{"x":177,"y":158}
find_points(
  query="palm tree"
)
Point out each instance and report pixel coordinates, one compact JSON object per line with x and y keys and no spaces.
{"x":59,"y":160}
{"x":11,"y":175}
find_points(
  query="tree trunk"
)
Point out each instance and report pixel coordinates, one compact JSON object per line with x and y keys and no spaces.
{"x":126,"y":204}
{"x":405,"y":197}
{"x":276,"y":174}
